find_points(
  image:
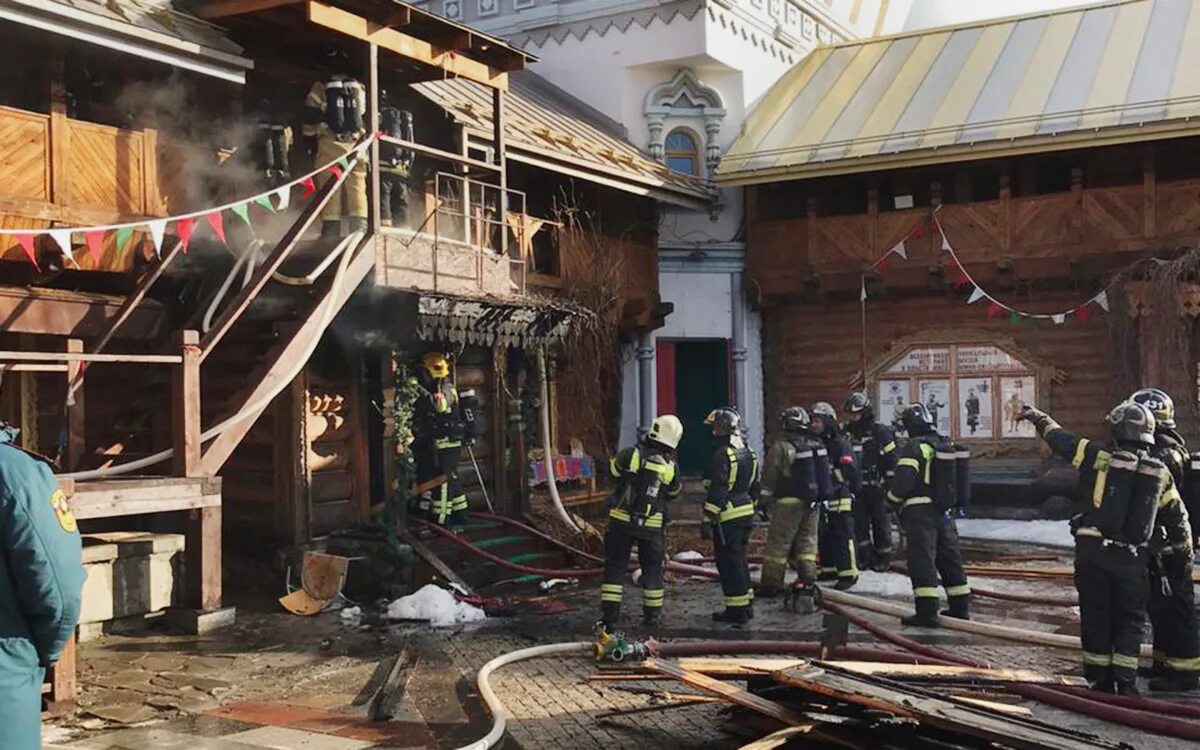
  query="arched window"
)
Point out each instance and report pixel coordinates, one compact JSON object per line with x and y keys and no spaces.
{"x":682,"y":153}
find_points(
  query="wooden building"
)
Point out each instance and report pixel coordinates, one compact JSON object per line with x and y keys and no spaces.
{"x":1053,"y":153}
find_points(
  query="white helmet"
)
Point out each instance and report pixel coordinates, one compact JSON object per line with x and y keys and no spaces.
{"x":667,"y":430}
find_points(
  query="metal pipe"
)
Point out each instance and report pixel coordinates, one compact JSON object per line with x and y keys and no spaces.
{"x":645,"y":360}
{"x":737,"y":301}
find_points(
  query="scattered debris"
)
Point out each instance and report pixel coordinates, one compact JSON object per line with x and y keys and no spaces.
{"x":351,"y":615}
{"x":689,"y":555}
{"x":550,"y":584}
{"x":383,"y":702}
{"x":436,"y":606}
{"x":322,"y":577}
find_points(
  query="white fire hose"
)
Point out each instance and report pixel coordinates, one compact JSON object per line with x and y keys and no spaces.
{"x":549,"y":456}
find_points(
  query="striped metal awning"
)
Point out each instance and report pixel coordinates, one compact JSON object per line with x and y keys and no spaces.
{"x":1107,"y":73}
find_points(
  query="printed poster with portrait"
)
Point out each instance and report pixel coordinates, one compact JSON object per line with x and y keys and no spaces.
{"x":935,"y":394}
{"x":975,"y":408}
{"x":1015,"y":391}
{"x":893,"y":397}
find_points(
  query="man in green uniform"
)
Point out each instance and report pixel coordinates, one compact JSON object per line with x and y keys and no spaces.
{"x":41,"y":580}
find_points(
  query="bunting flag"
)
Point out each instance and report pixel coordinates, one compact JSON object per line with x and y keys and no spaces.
{"x":946,"y":244}
{"x":337,"y":173}
{"x":1084,"y":314}
{"x":157,"y":230}
{"x":309,"y":186}
{"x":217,"y":222}
{"x":976,"y":295}
{"x":1059,"y":318}
{"x":994,"y":309}
{"x":343,"y":164}
{"x":284,"y":197}
{"x":94,"y":240}
{"x":862,"y":297}
{"x":62,"y":238}
{"x":183,"y":228}
{"x":1101,"y":300}
{"x":26,"y":242}
{"x":1014,"y":317}
{"x":124,"y":234}
{"x":242,"y":211}
{"x":900,"y":250}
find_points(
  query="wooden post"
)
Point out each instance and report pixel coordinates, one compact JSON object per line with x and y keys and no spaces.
{"x":57,"y":167}
{"x":499,"y":421}
{"x":76,"y":443}
{"x":373,"y":206}
{"x":63,"y":689}
{"x":1149,"y":194}
{"x":203,"y":549}
{"x":499,"y":114}
{"x":185,"y":400}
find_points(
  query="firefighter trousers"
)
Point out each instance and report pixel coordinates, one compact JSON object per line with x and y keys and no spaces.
{"x":393,"y":197}
{"x":619,"y":540}
{"x":445,"y":504}
{"x":1113,"y":585}
{"x":351,"y":200}
{"x":839,"y":556}
{"x":1172,"y":611}
{"x":730,"y":542}
{"x":872,"y":526}
{"x":933,"y":554}
{"x":791,"y":540}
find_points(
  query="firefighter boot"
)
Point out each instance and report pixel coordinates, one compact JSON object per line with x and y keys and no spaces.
{"x":925,"y":616}
{"x":845,"y":583}
{"x":762,"y":591}
{"x":959,"y":609}
{"x":1174,"y":682}
{"x":736,"y":616}
{"x":610,"y":616}
{"x":1128,"y":687}
{"x":882,"y":561}
{"x":651,"y":620}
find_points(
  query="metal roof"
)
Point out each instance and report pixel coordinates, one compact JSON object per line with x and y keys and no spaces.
{"x":1106,"y":73}
{"x":549,"y":128}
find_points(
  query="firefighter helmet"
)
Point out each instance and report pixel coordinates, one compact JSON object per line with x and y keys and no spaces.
{"x":795,"y":419}
{"x":858,"y":403}
{"x":667,"y":430}
{"x":917,"y":420}
{"x":825,"y":411}
{"x":1132,"y":422}
{"x":436,"y":365}
{"x":724,"y":421}
{"x":1161,"y":405}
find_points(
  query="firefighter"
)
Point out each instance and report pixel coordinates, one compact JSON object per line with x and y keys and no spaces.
{"x":839,"y":560}
{"x":732,"y":485}
{"x":333,"y":124}
{"x":646,"y":479}
{"x":271,"y":145}
{"x":875,"y":445}
{"x":1129,"y":499}
{"x":40,"y":589}
{"x":395,"y":163}
{"x":922,"y":496}
{"x":441,"y":427}
{"x":790,"y":485}
{"x":1171,"y":607}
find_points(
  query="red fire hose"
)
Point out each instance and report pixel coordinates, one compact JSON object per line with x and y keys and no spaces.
{"x":544,"y":572}
{"x":514,"y":523}
{"x":790,"y":648}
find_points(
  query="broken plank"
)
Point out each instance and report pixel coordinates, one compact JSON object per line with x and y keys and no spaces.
{"x":383,"y":702}
{"x":730,"y":693}
{"x":780,"y":738}
{"x":1004,"y":708}
{"x":655,"y":707}
{"x":429,"y":556}
{"x":929,"y":708}
{"x":749,"y":667}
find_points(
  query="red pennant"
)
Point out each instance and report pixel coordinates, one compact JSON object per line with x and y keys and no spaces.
{"x":994,"y":309}
{"x":918,"y":231}
{"x":94,"y":240}
{"x":336,"y":171}
{"x":883,"y":262}
{"x":1084,"y":313}
{"x":962,"y":280}
{"x":309,"y":187}
{"x":184,"y":228}
{"x":217,"y":222}
{"x":26,"y":241}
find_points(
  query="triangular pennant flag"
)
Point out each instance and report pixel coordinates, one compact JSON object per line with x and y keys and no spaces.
{"x":95,"y":244}
{"x":217,"y":222}
{"x":1101,"y":299}
{"x":1083,"y":313}
{"x":994,"y":309}
{"x":242,"y":211}
{"x":284,"y":196}
{"x":919,"y":230}
{"x":62,"y":238}
{"x":157,"y":230}
{"x":976,"y":295}
{"x":26,"y":242}
{"x":183,"y":228}
{"x":336,"y":171}
{"x":123,"y":236}
{"x":1013,"y":318}
{"x":1059,"y":319}
{"x":862,"y":297}
{"x":342,"y":164}
{"x":946,"y":244}
{"x":265,"y":202}
{"x":309,"y":187}
{"x":900,"y":250}
{"x":883,"y":262}
{"x":962,"y":280}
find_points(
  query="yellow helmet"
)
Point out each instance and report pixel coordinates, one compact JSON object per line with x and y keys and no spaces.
{"x":436,"y":365}
{"x":667,"y":430}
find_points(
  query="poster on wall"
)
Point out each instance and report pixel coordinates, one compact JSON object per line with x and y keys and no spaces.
{"x":893,"y":397}
{"x":1014,"y":392}
{"x":935,"y":394}
{"x":975,"y":408}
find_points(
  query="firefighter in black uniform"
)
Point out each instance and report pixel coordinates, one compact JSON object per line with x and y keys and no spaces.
{"x":839,"y":560}
{"x":732,"y":486}
{"x":1129,"y":500}
{"x":1172,"y":606}
{"x":441,"y":419}
{"x":875,"y":448}
{"x":933,"y":551}
{"x":646,"y":479}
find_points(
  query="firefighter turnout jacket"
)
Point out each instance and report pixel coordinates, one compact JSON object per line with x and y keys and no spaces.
{"x":875,"y":449}
{"x":335,"y":107}
{"x":645,"y":482}
{"x":732,"y":483}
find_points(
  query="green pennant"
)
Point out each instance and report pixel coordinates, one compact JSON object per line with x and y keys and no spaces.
{"x":123,"y":235}
{"x":265,"y":202}
{"x":242,"y":211}
{"x":1014,"y":318}
{"x":345,"y":165}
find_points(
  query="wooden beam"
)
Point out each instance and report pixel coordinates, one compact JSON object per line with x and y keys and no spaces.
{"x":373,"y":198}
{"x":438,"y":153}
{"x":434,"y":561}
{"x":383,"y":702}
{"x":398,"y":17}
{"x":63,"y":689}
{"x":226,"y":8}
{"x":115,"y":499}
{"x":728,"y":692}
{"x":203,"y":550}
{"x":185,"y":402}
{"x":76,"y":433}
{"x":145,"y":359}
{"x":404,"y":45}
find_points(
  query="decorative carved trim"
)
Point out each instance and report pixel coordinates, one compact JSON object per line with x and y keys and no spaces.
{"x":684,"y":96}
{"x":1140,"y":300}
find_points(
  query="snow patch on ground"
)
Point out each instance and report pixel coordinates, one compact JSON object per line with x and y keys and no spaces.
{"x":351,"y":615}
{"x":888,"y":585}
{"x":1050,"y":533}
{"x":687,"y":556}
{"x":436,"y":605}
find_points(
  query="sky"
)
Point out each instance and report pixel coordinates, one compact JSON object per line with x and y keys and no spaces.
{"x":927,"y":13}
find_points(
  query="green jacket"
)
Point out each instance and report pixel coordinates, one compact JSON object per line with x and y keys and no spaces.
{"x":41,"y":580}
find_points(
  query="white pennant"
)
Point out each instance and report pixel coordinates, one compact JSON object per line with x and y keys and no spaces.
{"x":863,"y":296}
{"x":946,"y":243}
{"x":157,"y":230}
{"x":900,"y":250}
{"x":1101,"y":299}
{"x":63,"y":238}
{"x":976,"y":295}
{"x":284,"y":194}
{"x":1059,"y":319}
